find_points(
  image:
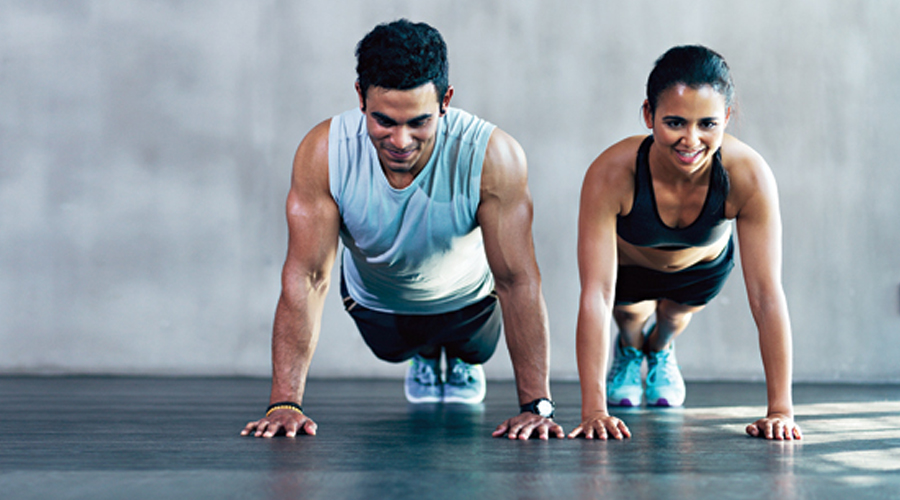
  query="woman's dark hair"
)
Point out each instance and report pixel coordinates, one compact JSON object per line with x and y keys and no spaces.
{"x":402,"y":55}
{"x":691,"y":65}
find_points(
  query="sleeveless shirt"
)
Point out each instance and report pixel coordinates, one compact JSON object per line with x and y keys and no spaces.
{"x":644,"y":228}
{"x":416,"y":250}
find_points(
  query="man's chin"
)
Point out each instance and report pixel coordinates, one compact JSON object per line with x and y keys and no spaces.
{"x":397,"y":167}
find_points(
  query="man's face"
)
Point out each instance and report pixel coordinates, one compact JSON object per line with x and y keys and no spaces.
{"x":402,"y":125}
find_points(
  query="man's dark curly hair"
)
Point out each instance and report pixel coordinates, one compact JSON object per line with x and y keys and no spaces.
{"x":402,"y":55}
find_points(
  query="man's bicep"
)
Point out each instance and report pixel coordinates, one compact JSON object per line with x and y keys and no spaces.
{"x":506,"y":212}
{"x":508,"y":243}
{"x":313,"y":225}
{"x":312,"y":214}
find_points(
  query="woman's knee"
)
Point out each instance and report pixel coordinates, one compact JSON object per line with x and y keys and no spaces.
{"x":674,"y":313}
{"x":632,"y":313}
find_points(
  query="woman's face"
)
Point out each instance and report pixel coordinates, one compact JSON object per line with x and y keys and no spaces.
{"x":688,"y":125}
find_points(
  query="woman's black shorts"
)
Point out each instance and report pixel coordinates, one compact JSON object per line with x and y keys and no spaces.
{"x":694,"y":286}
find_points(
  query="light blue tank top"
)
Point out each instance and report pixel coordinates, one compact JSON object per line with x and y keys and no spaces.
{"x":416,"y":250}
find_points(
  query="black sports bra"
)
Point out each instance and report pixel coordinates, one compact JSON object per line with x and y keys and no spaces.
{"x":644,"y":228}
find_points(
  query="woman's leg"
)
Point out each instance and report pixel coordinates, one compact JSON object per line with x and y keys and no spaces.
{"x":630,"y":319}
{"x":671,"y":319}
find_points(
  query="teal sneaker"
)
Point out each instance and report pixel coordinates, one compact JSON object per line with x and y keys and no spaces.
{"x":465,"y":382}
{"x":423,"y":382}
{"x":665,"y":386}
{"x":623,"y":383}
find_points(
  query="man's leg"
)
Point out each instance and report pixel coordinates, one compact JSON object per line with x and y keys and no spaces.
{"x":389,"y":337}
{"x":469,"y":335}
{"x":470,"y":339}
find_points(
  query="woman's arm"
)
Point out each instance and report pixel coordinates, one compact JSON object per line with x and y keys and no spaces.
{"x":606,"y":184}
{"x":759,"y":235}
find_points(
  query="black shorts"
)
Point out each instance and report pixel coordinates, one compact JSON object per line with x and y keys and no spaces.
{"x":694,"y":286}
{"x":470,"y":333}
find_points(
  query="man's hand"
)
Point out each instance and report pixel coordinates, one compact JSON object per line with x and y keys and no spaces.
{"x":288,"y":422}
{"x":775,"y":426}
{"x":523,"y":425}
{"x":601,"y":426}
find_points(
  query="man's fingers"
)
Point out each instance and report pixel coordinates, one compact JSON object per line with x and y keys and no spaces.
{"x":248,"y":428}
{"x":525,"y":431}
{"x":272,"y":429}
{"x":558,"y":430}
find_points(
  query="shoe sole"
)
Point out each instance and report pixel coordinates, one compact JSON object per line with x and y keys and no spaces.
{"x":624,"y":402}
{"x":663,"y":402}
{"x":469,"y":401}
{"x":464,"y":401}
{"x":422,"y":400}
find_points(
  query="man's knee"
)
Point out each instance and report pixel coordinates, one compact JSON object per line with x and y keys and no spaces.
{"x":392,"y":356}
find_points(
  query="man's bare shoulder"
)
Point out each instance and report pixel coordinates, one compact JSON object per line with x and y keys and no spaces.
{"x":312,"y":153}
{"x":505,"y":163}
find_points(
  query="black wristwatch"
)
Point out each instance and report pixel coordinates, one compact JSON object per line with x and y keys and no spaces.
{"x":543,"y":407}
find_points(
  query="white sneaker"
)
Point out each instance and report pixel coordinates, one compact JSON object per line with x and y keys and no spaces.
{"x":465,"y":382}
{"x":423,"y":384}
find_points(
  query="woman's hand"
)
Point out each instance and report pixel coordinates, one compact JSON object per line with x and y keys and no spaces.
{"x":601,"y":426}
{"x":775,"y":426}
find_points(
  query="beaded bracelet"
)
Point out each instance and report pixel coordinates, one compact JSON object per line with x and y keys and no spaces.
{"x":284,"y":405}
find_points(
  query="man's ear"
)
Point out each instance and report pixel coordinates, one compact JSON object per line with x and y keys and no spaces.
{"x":362,"y":98}
{"x":445,"y":102}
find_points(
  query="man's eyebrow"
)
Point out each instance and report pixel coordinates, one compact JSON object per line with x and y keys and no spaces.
{"x":390,"y":121}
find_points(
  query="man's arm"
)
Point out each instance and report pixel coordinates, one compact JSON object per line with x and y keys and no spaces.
{"x":313,"y":223}
{"x":759,"y":233}
{"x":505,"y":215}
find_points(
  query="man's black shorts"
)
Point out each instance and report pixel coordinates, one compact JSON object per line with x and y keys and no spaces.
{"x":470,"y":333}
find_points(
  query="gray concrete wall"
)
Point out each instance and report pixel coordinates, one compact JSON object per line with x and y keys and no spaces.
{"x":145,"y":152}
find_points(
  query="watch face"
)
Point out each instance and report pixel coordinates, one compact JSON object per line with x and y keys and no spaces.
{"x":544,"y":408}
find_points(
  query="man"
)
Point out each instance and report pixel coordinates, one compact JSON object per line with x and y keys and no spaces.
{"x":433,"y":208}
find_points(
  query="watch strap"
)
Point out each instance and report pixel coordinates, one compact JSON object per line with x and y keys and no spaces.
{"x":532,"y":407}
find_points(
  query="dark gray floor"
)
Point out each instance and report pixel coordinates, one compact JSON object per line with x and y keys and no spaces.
{"x":73,"y":437}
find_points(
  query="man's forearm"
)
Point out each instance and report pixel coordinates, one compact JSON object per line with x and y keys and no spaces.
{"x":527,"y":337}
{"x":294,"y":339}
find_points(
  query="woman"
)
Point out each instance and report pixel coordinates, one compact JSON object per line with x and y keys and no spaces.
{"x":656,"y":239}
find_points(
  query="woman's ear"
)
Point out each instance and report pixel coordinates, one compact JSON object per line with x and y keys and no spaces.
{"x":648,"y":114}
